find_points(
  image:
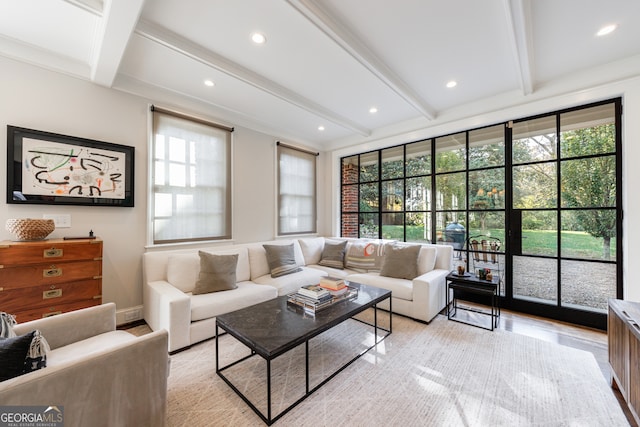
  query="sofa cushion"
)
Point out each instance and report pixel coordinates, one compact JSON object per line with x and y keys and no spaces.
{"x":400,"y":288}
{"x":13,"y":354}
{"x":292,"y":282}
{"x":333,"y":254}
{"x":281,"y":259}
{"x":312,"y":249}
{"x":335,"y":272}
{"x":444,"y":257}
{"x":183,"y":269}
{"x":364,"y":255}
{"x":400,"y":262}
{"x":217,"y":273}
{"x":207,"y":306}
{"x":79,"y":350}
{"x":426,"y":260}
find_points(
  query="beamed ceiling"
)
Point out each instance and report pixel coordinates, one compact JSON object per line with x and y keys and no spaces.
{"x":328,"y":63}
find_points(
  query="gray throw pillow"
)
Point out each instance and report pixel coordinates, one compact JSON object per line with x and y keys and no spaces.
{"x":217,"y":273}
{"x":333,"y":254}
{"x":400,"y":262}
{"x":281,"y":259}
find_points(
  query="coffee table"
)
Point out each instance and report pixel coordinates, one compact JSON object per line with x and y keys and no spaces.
{"x":271,"y":328}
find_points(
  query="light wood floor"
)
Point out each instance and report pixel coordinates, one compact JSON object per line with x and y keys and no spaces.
{"x":582,"y":338}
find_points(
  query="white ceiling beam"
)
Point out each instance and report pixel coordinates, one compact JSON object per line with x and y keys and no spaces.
{"x":518,"y":14}
{"x":342,"y":36}
{"x":44,"y":58}
{"x":118,"y":22}
{"x":189,"y":103}
{"x":91,"y":6}
{"x":198,"y":53}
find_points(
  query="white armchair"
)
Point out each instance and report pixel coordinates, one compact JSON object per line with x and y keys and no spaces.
{"x":100,"y":375}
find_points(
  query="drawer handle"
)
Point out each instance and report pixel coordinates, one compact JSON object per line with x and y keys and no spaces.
{"x":53,"y":253}
{"x":52,"y":272}
{"x":53,"y":313}
{"x":56,"y":293}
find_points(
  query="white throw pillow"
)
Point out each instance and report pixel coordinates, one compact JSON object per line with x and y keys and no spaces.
{"x":312,"y":249}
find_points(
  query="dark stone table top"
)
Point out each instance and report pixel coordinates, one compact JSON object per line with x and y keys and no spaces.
{"x":274,"y":327}
{"x":471,"y":280}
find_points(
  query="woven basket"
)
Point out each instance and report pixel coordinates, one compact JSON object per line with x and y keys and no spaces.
{"x":30,"y":229}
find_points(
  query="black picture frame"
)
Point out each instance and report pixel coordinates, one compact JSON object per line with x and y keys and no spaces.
{"x":52,"y":169}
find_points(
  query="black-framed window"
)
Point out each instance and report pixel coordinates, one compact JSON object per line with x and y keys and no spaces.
{"x":413,"y":191}
{"x":547,"y":186}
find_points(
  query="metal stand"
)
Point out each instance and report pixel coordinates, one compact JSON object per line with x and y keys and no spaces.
{"x":473,"y":285}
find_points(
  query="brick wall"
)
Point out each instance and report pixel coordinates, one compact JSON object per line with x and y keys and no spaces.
{"x":349,"y":222}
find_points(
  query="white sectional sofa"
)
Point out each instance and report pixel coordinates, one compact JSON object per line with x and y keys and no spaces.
{"x":420,"y":298}
{"x":170,"y":277}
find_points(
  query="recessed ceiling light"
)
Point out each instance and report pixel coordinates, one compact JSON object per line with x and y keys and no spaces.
{"x":209,"y":83}
{"x":452,"y":83}
{"x":373,"y":110}
{"x":607,"y":29}
{"x":258,"y":38}
{"x":320,"y":128}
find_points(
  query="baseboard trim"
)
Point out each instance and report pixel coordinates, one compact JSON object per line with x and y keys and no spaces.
{"x":129,"y":315}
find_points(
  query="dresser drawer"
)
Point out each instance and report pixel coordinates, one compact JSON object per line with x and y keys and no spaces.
{"x":24,"y":253}
{"x":49,"y":274}
{"x":15,"y":300}
{"x":53,"y":309}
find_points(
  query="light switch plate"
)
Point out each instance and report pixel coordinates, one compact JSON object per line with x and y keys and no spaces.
{"x":60,"y":220}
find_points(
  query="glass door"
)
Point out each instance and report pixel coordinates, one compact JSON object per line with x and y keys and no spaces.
{"x":564,"y":216}
{"x":534,"y":203}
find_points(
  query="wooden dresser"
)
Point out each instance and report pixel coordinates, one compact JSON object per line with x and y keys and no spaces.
{"x":48,"y":277}
{"x":624,"y":351}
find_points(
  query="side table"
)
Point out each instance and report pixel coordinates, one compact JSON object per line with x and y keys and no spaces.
{"x":470,"y":283}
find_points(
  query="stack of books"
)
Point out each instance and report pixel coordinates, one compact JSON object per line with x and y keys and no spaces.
{"x":313,"y":298}
{"x":334,"y":285}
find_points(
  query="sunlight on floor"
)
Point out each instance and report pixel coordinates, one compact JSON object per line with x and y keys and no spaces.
{"x":379,"y":350}
{"x":539,"y":387}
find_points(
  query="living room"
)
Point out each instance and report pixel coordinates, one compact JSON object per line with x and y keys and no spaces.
{"x":37,"y":96}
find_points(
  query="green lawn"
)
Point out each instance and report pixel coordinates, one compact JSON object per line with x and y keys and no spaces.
{"x":575,"y":244}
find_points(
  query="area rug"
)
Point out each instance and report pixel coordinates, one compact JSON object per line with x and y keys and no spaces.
{"x":441,"y":374}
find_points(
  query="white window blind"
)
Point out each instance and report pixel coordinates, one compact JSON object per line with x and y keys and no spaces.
{"x":191,"y":180}
{"x":296,"y":191}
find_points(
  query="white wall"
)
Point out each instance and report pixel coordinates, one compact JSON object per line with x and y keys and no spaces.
{"x":38,"y":99}
{"x":629,"y":90}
